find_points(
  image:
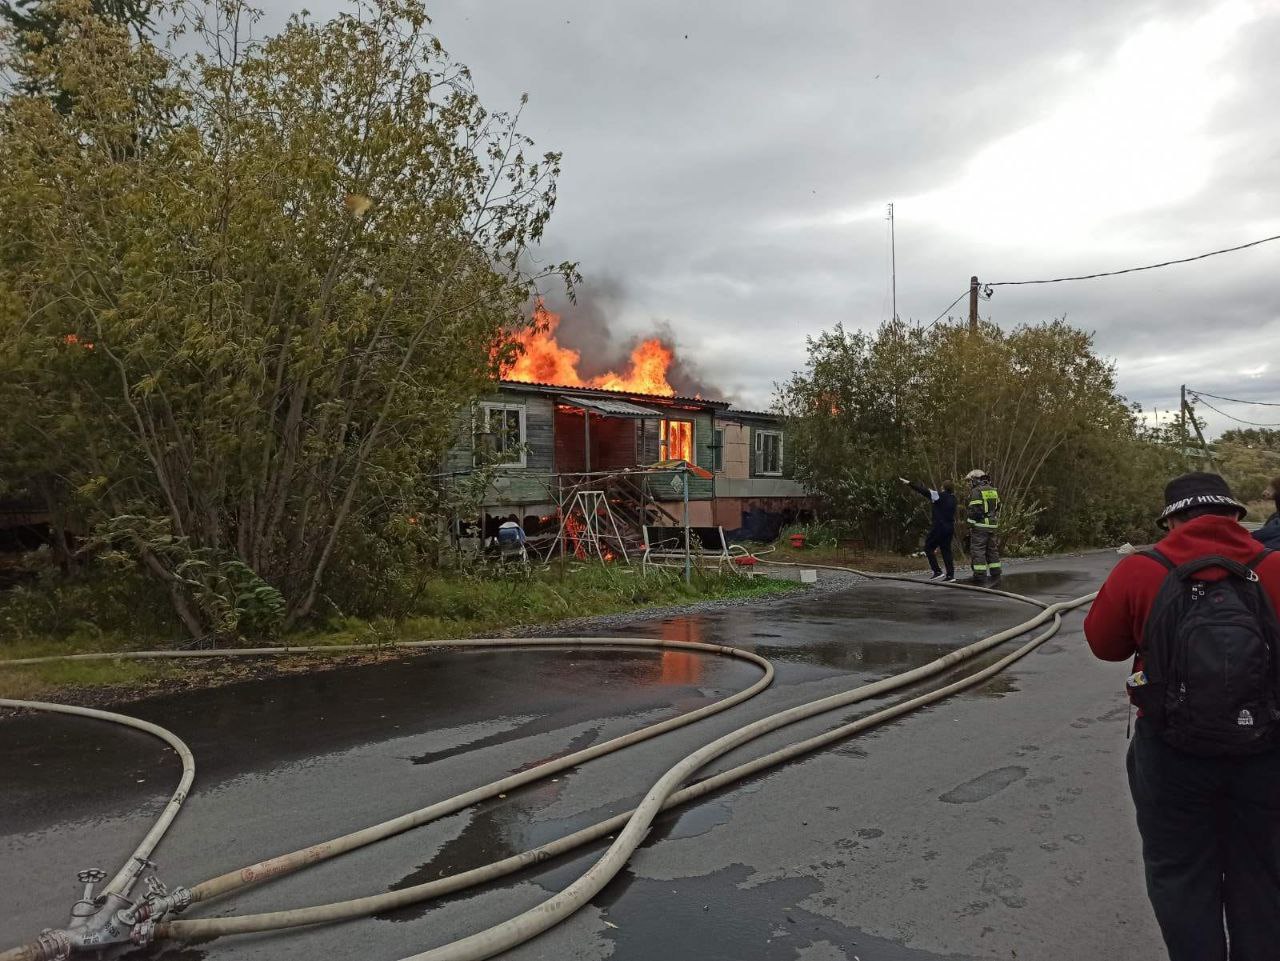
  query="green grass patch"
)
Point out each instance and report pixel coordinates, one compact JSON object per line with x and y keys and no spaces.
{"x":36,"y":680}
{"x":451,"y":605}
{"x":462,"y":605}
{"x":826,"y":544}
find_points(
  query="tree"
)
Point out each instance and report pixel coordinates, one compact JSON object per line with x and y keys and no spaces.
{"x":245,"y":294}
{"x":34,"y":25}
{"x":1034,"y":407}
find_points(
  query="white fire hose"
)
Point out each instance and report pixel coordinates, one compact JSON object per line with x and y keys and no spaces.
{"x":150,"y":917}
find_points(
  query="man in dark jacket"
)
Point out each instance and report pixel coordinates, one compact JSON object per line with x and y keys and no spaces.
{"x":1269,"y":534}
{"x":1210,"y":826}
{"x":942,"y":526}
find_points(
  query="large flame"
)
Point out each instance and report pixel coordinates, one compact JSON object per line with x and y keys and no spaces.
{"x":543,"y":361}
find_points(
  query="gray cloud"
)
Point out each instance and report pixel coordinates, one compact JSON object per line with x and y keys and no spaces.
{"x":717,"y":156}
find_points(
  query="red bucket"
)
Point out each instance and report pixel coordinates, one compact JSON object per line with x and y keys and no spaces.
{"x":797,"y":541}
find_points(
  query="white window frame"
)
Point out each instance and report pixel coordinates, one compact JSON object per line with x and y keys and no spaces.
{"x":758,"y":443}
{"x":485,"y":410}
{"x":664,"y":449}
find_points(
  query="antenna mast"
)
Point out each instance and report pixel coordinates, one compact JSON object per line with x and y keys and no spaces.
{"x":893,"y":263}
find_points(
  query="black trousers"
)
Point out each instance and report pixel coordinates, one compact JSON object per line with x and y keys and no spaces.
{"x":1211,"y":843}
{"x":939,"y":538}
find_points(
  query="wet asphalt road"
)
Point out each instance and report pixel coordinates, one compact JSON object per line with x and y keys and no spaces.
{"x":992,"y":825}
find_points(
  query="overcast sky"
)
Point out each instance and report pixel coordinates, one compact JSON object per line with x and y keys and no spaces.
{"x":727,"y":166}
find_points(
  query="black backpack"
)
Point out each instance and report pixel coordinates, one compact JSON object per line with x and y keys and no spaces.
{"x":1211,"y":653}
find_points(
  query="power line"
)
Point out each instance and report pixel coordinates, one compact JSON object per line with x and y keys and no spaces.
{"x":1130,"y":270}
{"x":963,"y":295}
{"x":1251,"y":423}
{"x":1233,"y":400}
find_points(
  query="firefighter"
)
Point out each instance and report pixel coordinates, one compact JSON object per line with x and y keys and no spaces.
{"x":984,"y":523}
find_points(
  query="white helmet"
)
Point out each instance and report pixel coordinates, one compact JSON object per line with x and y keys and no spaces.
{"x":975,"y":474}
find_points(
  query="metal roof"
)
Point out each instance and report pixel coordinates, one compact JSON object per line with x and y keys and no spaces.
{"x":610,"y":407}
{"x":601,"y":392}
{"x":739,"y":412}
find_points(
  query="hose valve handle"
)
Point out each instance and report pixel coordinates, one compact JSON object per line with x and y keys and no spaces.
{"x":89,"y":877}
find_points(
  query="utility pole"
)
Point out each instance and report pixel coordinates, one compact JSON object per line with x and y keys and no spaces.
{"x":893,"y":263}
{"x":973,"y":305}
{"x":1182,"y":425}
{"x":1188,"y":410}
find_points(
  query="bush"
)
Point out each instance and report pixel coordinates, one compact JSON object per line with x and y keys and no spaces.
{"x":97,"y":609}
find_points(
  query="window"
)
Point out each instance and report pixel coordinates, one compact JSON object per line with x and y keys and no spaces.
{"x":676,"y":438}
{"x":769,"y":452}
{"x":500,"y":431}
{"x":717,"y":450}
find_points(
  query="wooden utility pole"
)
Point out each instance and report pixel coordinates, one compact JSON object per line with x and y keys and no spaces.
{"x":1188,"y":413}
{"x":973,"y":305}
{"x":1182,"y":425}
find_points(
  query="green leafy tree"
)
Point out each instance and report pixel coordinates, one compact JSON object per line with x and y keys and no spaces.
{"x":1250,"y":460}
{"x":245,"y":293}
{"x":35,"y":25}
{"x":1035,"y":407}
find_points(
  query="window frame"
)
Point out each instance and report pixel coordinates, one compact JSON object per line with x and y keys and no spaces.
{"x":717,"y":450}
{"x":486,"y":409}
{"x":758,"y":435}
{"x":664,"y":448}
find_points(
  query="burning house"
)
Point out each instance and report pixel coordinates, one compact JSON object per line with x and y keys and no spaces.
{"x":552,"y":430}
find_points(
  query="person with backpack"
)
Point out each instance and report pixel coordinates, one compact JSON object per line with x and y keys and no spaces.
{"x":1197,"y":613}
{"x":942,"y":526}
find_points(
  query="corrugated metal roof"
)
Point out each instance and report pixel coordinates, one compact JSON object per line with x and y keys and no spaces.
{"x":601,"y":392}
{"x":752,"y":413}
{"x":609,"y":407}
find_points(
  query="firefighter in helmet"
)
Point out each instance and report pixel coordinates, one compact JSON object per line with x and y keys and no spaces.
{"x":983,"y":515}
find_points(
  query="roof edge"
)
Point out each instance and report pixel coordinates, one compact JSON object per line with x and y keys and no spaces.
{"x":542,"y":388}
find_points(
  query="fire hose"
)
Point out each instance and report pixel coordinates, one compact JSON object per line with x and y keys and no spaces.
{"x":150,"y":918}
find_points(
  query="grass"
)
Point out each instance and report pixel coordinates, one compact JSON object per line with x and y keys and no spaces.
{"x":463,"y":606}
{"x":449,"y":606}
{"x":824,"y":545}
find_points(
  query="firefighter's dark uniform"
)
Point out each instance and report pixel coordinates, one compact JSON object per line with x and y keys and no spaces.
{"x":984,"y":523}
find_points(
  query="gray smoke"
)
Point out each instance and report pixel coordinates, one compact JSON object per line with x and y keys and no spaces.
{"x":585,"y":327}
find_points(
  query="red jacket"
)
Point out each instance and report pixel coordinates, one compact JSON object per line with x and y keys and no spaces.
{"x":1115,"y":622}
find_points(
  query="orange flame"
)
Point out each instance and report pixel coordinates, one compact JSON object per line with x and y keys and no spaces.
{"x":677,"y":439}
{"x":573,"y":529}
{"x":543,"y":361}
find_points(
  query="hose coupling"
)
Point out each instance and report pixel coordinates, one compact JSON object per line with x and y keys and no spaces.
{"x":160,"y":903}
{"x":53,"y":945}
{"x":144,"y":932}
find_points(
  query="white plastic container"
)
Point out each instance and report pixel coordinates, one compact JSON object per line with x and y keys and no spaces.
{"x":808,"y":576}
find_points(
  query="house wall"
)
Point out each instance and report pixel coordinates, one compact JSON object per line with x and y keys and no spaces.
{"x":555,"y":443}
{"x":700,"y":488}
{"x":513,"y":485}
{"x":701,"y":513}
{"x":729,"y":510}
{"x":613,"y":442}
{"x":737,"y":451}
{"x":738,"y":477}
